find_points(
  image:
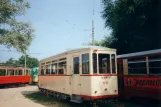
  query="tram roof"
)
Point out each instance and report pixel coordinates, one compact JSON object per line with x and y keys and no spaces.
{"x":143,"y":53}
{"x":12,"y":67}
{"x":91,"y":47}
{"x":81,"y":49}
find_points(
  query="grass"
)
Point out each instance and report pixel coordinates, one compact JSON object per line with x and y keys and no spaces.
{"x":51,"y":102}
{"x":48,"y":101}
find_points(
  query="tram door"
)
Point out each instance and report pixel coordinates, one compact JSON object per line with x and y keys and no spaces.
{"x":120,"y":77}
{"x":76,"y":83}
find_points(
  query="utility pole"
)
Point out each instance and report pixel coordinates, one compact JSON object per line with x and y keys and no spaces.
{"x":92,"y":32}
{"x":93,"y":26}
{"x":25,"y":61}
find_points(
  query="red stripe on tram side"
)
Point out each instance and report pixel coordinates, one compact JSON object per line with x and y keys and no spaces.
{"x":98,"y":97}
{"x":98,"y":75}
{"x":55,"y":75}
{"x":80,"y":75}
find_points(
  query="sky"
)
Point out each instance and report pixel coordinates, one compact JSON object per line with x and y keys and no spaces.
{"x":60,"y":25}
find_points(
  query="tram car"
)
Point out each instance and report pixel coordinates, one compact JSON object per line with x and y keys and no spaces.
{"x":14,"y":76}
{"x":34,"y":75}
{"x":139,"y":74}
{"x":88,"y":73}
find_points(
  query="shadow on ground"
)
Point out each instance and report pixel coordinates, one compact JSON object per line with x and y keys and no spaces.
{"x":49,"y":101}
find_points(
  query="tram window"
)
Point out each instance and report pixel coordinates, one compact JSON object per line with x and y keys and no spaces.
{"x":104,"y":63}
{"x":54,"y":69}
{"x":2,"y":72}
{"x":137,"y":65}
{"x":155,"y":64}
{"x":137,"y":68}
{"x":113,"y":63}
{"x":62,"y":67}
{"x":42,"y":70}
{"x":48,"y":69}
{"x":155,"y":67}
{"x":27,"y":72}
{"x":94,"y":63}
{"x":85,"y":63}
{"x":61,"y":70}
{"x":76,"y":65}
{"x":18,"y":72}
{"x":10,"y":72}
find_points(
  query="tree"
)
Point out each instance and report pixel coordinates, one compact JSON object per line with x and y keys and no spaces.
{"x":14,"y":33}
{"x":30,"y":61}
{"x":105,"y":42}
{"x":135,"y":24}
{"x":12,"y":62}
{"x":96,"y":43}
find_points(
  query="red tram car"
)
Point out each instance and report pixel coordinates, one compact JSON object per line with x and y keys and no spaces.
{"x":139,"y":74}
{"x":14,"y":75}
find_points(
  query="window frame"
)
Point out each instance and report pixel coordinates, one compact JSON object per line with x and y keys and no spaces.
{"x":137,"y":60}
{"x":52,"y":68}
{"x":154,"y":58}
{"x":4,"y":70}
{"x":77,"y":72}
{"x":109,"y":62}
{"x":85,"y":63}
{"x":96,"y":63}
{"x":48,"y":69}
{"x":61,"y":67}
{"x":115,"y":62}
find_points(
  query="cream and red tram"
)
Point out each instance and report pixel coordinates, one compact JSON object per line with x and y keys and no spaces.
{"x":81,"y":74}
{"x":140,"y":74}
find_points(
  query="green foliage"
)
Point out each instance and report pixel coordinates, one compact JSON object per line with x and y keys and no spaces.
{"x":30,"y":62}
{"x":96,"y":43}
{"x":14,"y":33}
{"x":135,"y":24}
{"x":12,"y":62}
{"x":105,"y":42}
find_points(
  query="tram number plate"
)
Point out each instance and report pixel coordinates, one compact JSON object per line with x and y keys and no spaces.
{"x":105,"y":77}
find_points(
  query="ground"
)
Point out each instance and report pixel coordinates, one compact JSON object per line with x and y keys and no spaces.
{"x":13,"y":97}
{"x":30,"y":96}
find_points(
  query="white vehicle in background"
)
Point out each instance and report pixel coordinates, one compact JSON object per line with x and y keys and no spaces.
{"x":82,"y":74}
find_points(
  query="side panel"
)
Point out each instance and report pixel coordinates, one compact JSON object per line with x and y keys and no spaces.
{"x":76,"y":85}
{"x":142,"y":86}
{"x":14,"y":79}
{"x":104,"y":85}
{"x":85,"y":85}
{"x":55,"y":83}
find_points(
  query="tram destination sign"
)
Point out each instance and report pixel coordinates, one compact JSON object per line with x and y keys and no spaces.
{"x":155,"y":82}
